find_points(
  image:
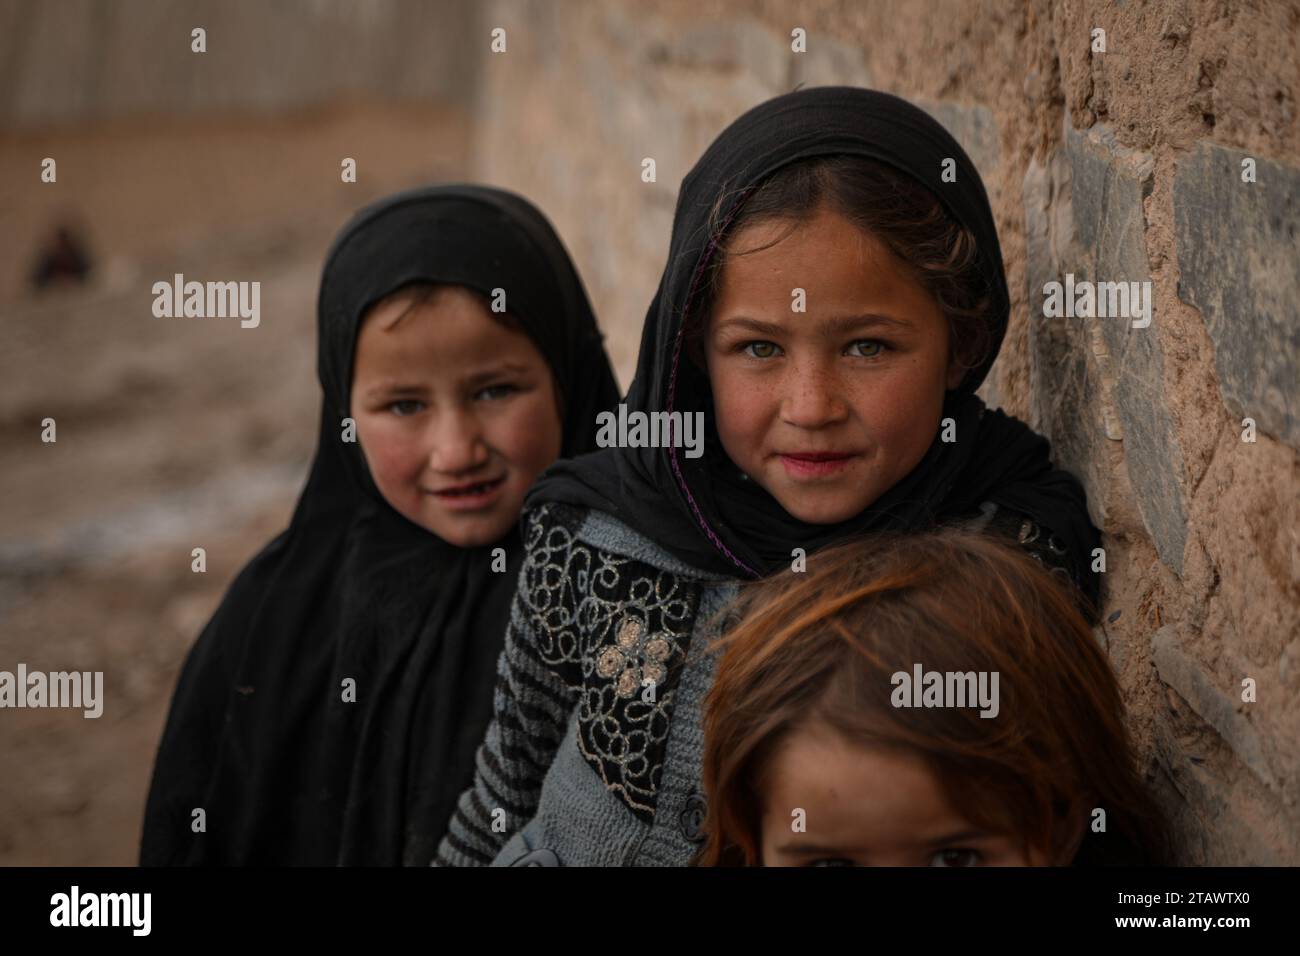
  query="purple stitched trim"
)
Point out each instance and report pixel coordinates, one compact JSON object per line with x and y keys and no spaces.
{"x":672,"y":389}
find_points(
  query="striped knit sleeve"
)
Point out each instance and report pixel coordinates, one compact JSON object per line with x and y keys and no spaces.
{"x":535,"y":694}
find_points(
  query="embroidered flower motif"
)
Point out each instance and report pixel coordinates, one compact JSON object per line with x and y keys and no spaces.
{"x":633,"y":659}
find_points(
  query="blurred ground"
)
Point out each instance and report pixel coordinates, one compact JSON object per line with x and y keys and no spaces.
{"x":172,"y":433}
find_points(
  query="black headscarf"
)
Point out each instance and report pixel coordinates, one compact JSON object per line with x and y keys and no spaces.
{"x":703,"y":510}
{"x":259,"y":736}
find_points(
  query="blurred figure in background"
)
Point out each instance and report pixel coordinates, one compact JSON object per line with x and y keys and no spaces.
{"x":63,"y":259}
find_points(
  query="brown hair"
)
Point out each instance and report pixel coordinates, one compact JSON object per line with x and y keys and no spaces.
{"x":820,"y":646}
{"x":906,"y":217}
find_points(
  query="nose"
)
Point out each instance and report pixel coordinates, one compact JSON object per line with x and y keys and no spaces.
{"x":458,"y":443}
{"x":813,"y":398}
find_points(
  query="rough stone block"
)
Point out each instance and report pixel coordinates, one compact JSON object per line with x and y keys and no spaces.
{"x":1219,"y":709}
{"x":1065,"y":396}
{"x":1224,"y":821}
{"x":972,"y":126}
{"x":1108,"y":184}
{"x":1239,"y":264}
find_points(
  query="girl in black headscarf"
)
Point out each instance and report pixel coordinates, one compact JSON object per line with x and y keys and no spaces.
{"x":329,"y":712}
{"x":834,"y":295}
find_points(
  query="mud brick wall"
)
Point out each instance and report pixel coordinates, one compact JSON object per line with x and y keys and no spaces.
{"x":1123,"y":165}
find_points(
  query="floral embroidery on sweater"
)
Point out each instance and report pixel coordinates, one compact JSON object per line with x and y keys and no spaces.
{"x":617,"y":629}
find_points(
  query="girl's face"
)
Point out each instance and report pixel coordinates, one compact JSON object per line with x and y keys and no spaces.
{"x":456,"y":413}
{"x":829,"y":407}
{"x":868,"y":807}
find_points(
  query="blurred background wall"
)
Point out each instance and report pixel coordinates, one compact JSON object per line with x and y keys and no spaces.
{"x":1115,"y":165}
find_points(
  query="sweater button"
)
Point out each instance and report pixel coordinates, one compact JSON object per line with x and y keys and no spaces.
{"x":691,"y":819}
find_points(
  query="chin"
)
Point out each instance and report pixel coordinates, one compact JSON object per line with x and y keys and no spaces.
{"x":465,"y":533}
{"x":815,"y":512}
{"x":475,"y":535}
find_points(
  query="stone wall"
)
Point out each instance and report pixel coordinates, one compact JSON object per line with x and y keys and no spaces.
{"x":1116,"y":165}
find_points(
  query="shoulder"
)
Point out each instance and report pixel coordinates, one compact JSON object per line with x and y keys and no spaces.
{"x":1048,"y":548}
{"x":550,"y":530}
{"x":555,"y":527}
{"x":588,"y":580}
{"x":228,"y":631}
{"x":1032,"y":537}
{"x":582,"y":558}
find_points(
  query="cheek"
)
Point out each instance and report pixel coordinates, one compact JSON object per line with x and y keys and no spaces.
{"x":741,"y":407}
{"x":903,"y":410}
{"x":394,"y":454}
{"x":529,"y":436}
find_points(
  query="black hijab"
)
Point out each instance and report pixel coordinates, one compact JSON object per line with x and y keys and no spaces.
{"x":259,"y":736}
{"x":702,"y":510}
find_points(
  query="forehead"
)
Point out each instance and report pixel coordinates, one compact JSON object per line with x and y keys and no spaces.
{"x":853,"y":794}
{"x":449,"y":332}
{"x":826,"y":255}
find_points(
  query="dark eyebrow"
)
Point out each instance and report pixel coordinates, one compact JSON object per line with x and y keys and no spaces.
{"x":395,"y":390}
{"x":496,"y":371}
{"x":754,"y":325}
{"x":844,"y":323}
{"x":961,"y":836}
{"x":833,"y":325}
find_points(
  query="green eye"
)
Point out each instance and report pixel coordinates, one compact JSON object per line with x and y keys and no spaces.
{"x":872,"y":348}
{"x":956,"y":856}
{"x":405,"y":407}
{"x":760,"y":350}
{"x":496,"y":391}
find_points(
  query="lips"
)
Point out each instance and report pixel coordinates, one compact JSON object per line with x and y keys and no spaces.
{"x":471,"y":496}
{"x":470,"y":489}
{"x":814,"y":464}
{"x":818,"y":455}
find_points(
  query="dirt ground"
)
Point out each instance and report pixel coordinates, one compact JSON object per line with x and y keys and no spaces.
{"x":172,"y":434}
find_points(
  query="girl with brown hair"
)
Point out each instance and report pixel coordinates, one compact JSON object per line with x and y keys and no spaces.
{"x":931,"y":699}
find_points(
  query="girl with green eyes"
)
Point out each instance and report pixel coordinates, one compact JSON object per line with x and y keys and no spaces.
{"x":329,"y":712}
{"x":830,"y":304}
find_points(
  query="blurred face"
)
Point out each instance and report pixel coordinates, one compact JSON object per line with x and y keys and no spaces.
{"x":456,"y":413}
{"x":868,"y":807}
{"x":826,"y":408}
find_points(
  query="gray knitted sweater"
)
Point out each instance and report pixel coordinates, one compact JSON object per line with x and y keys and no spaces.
{"x":593,"y":754}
